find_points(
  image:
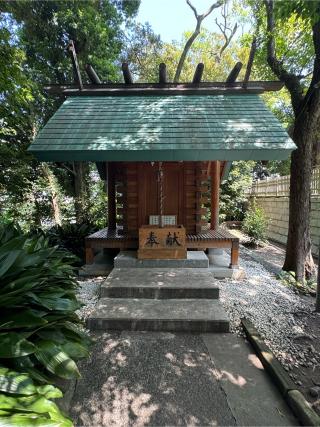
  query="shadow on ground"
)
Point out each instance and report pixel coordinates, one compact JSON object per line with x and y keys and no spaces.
{"x":139,"y":379}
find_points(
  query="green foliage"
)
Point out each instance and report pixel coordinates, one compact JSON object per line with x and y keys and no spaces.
{"x":97,"y":204}
{"x":279,"y":167}
{"x":33,"y":44}
{"x":288,"y":278}
{"x":39,"y":330}
{"x":16,"y":93}
{"x":255,"y":224}
{"x":23,"y":403}
{"x":233,"y":197}
{"x":71,"y":237}
{"x":305,"y":9}
{"x":142,"y":50}
{"x":93,"y":25}
{"x":293,"y":36}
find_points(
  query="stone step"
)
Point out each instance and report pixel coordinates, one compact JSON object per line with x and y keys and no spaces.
{"x":128,"y":259}
{"x":184,"y":315}
{"x":164,"y":283}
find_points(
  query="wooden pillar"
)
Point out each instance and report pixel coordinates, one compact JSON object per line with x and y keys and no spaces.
{"x":111,"y":190}
{"x":234,"y":254}
{"x":89,"y":255}
{"x":215,"y":187}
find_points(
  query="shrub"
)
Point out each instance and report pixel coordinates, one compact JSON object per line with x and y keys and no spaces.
{"x":233,"y":197}
{"x":255,"y":224}
{"x":71,"y":237}
{"x":40,"y":333}
{"x":23,"y":403}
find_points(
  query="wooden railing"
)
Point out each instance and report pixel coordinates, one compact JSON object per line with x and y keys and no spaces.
{"x":280,"y":186}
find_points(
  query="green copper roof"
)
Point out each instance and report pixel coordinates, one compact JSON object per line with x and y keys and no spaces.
{"x":151,"y":128}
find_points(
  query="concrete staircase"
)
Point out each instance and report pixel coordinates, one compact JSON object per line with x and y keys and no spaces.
{"x":160,"y":299}
{"x":128,"y":259}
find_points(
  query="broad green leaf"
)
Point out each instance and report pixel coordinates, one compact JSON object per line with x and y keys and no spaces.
{"x":14,"y":345}
{"x":22,"y":363}
{"x":49,"y":391}
{"x":32,"y":420}
{"x":23,"y":319}
{"x":8,"y":261}
{"x":35,"y":403}
{"x":37,"y":375}
{"x":20,"y":282}
{"x":12,"y":244}
{"x":75,"y":350}
{"x":54,"y":335}
{"x":15,"y":383}
{"x":56,"y":360}
{"x":59,"y":304}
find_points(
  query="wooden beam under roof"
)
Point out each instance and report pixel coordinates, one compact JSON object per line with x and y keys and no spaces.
{"x":198,"y":73}
{"x":166,"y":89}
{"x":232,"y":77}
{"x":162,"y":91}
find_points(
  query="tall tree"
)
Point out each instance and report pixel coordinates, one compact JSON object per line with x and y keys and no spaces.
{"x":17,"y":92}
{"x":142,"y":49}
{"x":205,"y":49}
{"x":194,"y":35}
{"x":44,"y":29}
{"x":305,"y":99}
{"x":144,"y":62}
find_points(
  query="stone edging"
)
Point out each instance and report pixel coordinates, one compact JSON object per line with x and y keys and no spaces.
{"x":294,"y":398}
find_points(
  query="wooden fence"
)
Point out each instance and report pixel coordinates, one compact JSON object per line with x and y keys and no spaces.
{"x":280,"y":186}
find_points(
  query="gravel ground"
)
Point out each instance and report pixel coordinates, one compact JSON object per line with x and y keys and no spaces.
{"x":271,"y":307}
{"x":88,"y":294}
{"x":276,"y":311}
{"x":286,"y":321}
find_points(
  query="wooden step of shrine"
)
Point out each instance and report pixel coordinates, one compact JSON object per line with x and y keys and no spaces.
{"x":162,"y":283}
{"x":145,"y":314}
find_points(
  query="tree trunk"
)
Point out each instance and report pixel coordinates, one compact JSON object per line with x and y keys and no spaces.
{"x":37,"y":214}
{"x":185,"y":51}
{"x":194,"y":35}
{"x":80,"y":191}
{"x":53,"y":186}
{"x":298,"y":253}
{"x":318,"y":283}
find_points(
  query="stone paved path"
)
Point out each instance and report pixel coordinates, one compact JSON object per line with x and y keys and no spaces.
{"x":164,"y":379}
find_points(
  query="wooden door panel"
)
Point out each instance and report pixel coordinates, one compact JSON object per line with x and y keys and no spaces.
{"x":172,"y":190}
{"x":149,"y":191}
